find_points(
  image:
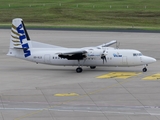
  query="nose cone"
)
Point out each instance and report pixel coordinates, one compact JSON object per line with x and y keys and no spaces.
{"x":148,"y":60}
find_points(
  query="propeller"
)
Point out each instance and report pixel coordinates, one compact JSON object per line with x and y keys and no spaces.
{"x":103,"y":57}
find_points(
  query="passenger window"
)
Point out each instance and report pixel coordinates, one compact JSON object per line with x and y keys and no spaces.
{"x":137,"y":54}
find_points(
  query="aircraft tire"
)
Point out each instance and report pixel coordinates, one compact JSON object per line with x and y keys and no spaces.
{"x":92,"y":67}
{"x":79,"y":70}
{"x":144,"y":69}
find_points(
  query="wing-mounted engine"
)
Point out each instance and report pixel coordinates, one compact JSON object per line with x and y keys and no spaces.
{"x":76,"y":55}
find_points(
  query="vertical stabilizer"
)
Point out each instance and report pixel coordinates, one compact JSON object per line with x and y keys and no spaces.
{"x":19,"y":37}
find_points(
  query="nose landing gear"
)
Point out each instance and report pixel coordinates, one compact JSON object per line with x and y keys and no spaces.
{"x":144,"y":69}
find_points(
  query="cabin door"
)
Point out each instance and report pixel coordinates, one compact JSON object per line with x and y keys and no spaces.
{"x":124,"y":60}
{"x":47,"y":58}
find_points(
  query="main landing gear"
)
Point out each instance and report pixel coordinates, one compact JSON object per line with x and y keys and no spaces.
{"x":92,"y":67}
{"x":79,"y":70}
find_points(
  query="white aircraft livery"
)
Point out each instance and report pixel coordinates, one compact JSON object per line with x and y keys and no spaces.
{"x":22,"y":47}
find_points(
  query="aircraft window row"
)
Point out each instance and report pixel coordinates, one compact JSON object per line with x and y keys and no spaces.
{"x":58,"y":58}
{"x":37,"y":57}
{"x":64,"y":58}
{"x":137,"y":54}
{"x":90,"y":58}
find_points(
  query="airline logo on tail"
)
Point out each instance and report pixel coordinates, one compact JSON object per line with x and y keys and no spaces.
{"x":19,"y":38}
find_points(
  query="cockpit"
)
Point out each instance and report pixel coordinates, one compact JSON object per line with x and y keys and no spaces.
{"x":137,"y":54}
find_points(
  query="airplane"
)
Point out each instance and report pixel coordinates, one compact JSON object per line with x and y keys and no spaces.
{"x":21,"y":46}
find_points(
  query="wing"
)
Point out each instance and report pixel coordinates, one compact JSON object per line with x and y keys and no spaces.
{"x":108,"y":44}
{"x":74,"y":55}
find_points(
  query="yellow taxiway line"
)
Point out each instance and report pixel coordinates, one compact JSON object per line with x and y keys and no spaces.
{"x":120,"y":75}
{"x":153,"y":77}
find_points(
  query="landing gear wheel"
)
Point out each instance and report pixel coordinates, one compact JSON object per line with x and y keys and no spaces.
{"x":144,"y":69}
{"x":92,"y":67}
{"x":79,"y":70}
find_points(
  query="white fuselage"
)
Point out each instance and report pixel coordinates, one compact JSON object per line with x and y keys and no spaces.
{"x":114,"y":57}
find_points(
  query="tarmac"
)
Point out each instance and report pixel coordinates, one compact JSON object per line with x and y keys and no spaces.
{"x":30,"y":91}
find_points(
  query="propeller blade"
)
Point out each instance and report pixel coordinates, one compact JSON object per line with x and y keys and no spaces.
{"x":103,"y":57}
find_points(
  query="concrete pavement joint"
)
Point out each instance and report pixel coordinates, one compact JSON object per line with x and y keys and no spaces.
{"x":74,"y":99}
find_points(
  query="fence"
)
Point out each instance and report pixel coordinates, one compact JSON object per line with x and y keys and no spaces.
{"x":84,"y":6}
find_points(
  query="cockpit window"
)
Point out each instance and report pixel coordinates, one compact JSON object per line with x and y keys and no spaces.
{"x":137,"y":54}
{"x":134,"y":54}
